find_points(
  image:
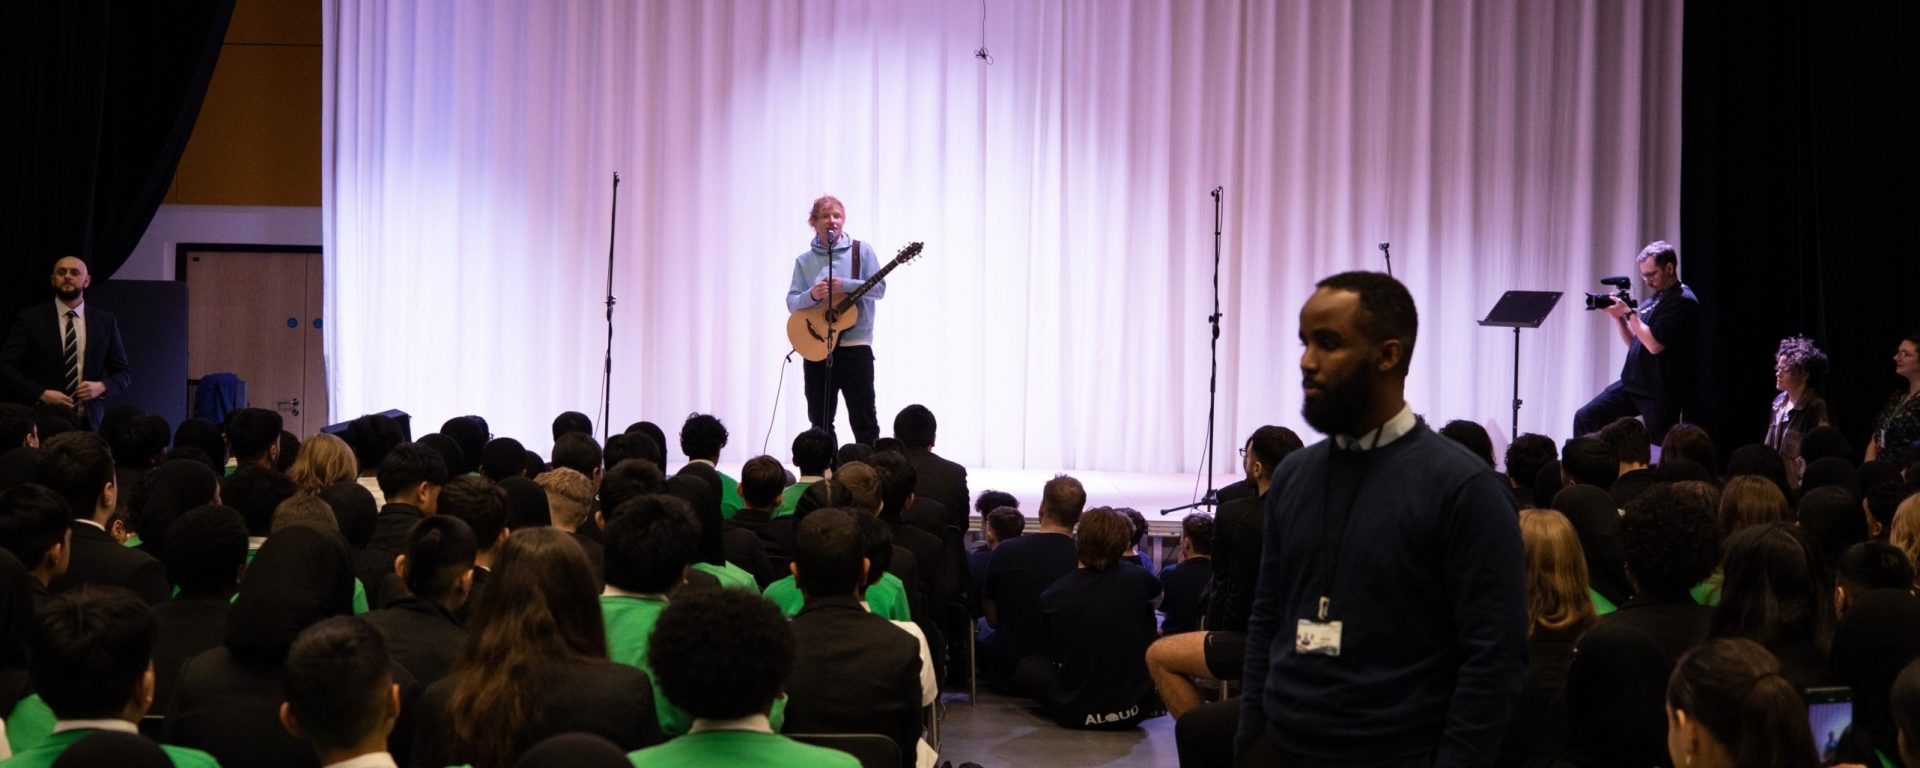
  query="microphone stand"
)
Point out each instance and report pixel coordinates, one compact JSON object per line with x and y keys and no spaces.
{"x":1212,"y":497}
{"x":827,"y":404}
{"x":1389,"y":255}
{"x":606,"y":372}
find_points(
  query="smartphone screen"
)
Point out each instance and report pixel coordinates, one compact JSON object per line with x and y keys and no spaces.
{"x":1830,"y":713}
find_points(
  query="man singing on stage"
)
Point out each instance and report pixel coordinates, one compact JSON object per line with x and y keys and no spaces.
{"x":1657,"y":379}
{"x":65,"y":353}
{"x":849,"y":367}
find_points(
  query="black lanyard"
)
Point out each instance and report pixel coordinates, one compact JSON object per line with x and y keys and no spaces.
{"x":1333,"y":540}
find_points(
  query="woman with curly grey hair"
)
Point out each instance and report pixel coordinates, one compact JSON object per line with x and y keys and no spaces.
{"x":1798,"y":409}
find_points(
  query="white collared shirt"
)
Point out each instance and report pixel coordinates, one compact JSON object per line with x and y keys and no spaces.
{"x":368,"y":760}
{"x":106,"y":724}
{"x":1395,"y":428}
{"x":60,"y":309}
{"x":89,"y":521}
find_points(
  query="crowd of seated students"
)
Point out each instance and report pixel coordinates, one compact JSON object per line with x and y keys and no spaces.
{"x":225,"y":571}
{"x":484,"y":623}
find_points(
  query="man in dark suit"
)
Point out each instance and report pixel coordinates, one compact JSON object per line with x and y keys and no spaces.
{"x":64,"y":353}
{"x":937,"y":479}
{"x":79,"y":466}
{"x":855,"y":672}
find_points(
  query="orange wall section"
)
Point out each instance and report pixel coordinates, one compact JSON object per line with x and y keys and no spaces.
{"x":257,"y":140}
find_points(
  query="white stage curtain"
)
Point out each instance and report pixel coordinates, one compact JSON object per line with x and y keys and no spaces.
{"x":1058,"y":318}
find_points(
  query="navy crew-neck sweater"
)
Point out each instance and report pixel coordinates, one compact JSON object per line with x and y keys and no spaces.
{"x":1430,"y":590}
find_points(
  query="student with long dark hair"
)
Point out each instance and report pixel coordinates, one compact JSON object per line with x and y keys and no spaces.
{"x":1778,"y":596}
{"x":1729,"y":705}
{"x":535,"y":664}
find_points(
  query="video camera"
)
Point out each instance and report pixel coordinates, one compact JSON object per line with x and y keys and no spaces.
{"x":1621,"y":290}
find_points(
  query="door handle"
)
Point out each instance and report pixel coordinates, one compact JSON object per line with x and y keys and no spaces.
{"x":291,"y":406}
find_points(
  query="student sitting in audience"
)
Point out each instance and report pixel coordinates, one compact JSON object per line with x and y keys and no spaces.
{"x":255,"y":492}
{"x":650,"y":544}
{"x":725,"y":656}
{"x":999,"y":524}
{"x":410,"y":478}
{"x":1186,"y":581}
{"x":701,"y":438}
{"x":1097,"y":622}
{"x":942,"y":482}
{"x":1619,"y":668}
{"x":482,"y":505}
{"x":1690,"y":442}
{"x":855,"y":672}
{"x":324,"y":461}
{"x":1558,"y":611}
{"x":1022,"y":569}
{"x":1525,"y":456}
{"x":138,"y":444}
{"x":1867,"y":566}
{"x":569,"y":498}
{"x":1590,"y":461}
{"x":1629,"y":438}
{"x":1138,"y":533}
{"x":630,"y":479}
{"x":1759,"y":460}
{"x":1749,"y":500}
{"x":812,"y":455}
{"x":761,"y":479}
{"x":16,"y":624}
{"x":205,"y":562}
{"x":1832,"y":520}
{"x":897,"y":482}
{"x":1777,"y":595}
{"x":503,"y":457}
{"x":1728,"y":705}
{"x":1878,"y":637}
{"x":79,"y":467}
{"x":1471,"y":436}
{"x":695,"y":486}
{"x":340,"y":694}
{"x":535,"y":664}
{"x":882,"y":593}
{"x":35,"y":528}
{"x":253,"y":435}
{"x":1596,"y":521}
{"x":92,"y":664}
{"x":421,"y":629}
{"x":1905,"y":701}
{"x":228,"y":700}
{"x":165,"y":493}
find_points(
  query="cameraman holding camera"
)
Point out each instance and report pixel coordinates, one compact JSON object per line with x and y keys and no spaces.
{"x":1657,"y":378}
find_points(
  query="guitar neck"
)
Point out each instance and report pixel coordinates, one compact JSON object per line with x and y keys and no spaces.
{"x":854,"y":297}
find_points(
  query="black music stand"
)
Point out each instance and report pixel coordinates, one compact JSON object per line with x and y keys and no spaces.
{"x":1517,"y":310}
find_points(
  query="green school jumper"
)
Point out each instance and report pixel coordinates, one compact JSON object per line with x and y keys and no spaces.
{"x":740,"y":748}
{"x":886,"y":598}
{"x":48,"y":751}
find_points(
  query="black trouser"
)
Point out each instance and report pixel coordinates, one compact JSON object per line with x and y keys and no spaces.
{"x":852,"y":376}
{"x":1615,"y":401}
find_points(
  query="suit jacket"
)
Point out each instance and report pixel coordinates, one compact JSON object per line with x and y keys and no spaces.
{"x":232,"y":710}
{"x":421,"y":636}
{"x":855,"y":673}
{"x":188,"y":627}
{"x":33,"y":358}
{"x":99,"y":559}
{"x":942,"y":481}
{"x":374,"y":562}
{"x":1236,"y":563}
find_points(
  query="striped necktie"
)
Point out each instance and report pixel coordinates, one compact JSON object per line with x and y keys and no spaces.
{"x":72,"y":346}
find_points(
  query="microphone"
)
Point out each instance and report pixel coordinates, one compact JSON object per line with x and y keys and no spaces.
{"x":1216,"y":192}
{"x":1389,"y":257}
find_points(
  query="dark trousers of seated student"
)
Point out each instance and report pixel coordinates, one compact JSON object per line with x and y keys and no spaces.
{"x":852,"y":377}
{"x":1614,"y":402}
{"x":1034,"y":678}
{"x":1261,"y":752}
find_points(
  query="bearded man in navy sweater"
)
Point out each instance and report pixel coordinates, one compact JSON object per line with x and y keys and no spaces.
{"x":1389,"y":625}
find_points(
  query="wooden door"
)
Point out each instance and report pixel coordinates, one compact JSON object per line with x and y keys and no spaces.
{"x":257,"y":315}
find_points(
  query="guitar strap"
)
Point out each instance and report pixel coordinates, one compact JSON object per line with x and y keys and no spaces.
{"x":856,"y":260}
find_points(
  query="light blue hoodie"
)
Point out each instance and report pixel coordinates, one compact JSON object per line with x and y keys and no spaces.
{"x":811,"y":267}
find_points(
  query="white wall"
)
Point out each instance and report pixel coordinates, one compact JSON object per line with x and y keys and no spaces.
{"x":153,"y":258}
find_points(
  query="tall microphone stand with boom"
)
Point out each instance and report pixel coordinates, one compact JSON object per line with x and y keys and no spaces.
{"x":1212,"y":497}
{"x":827,"y":404}
{"x":606,"y":371}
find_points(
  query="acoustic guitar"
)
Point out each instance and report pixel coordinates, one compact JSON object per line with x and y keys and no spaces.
{"x":815,"y":331}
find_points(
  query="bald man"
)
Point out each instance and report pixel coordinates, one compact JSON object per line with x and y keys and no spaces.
{"x":64,"y":353}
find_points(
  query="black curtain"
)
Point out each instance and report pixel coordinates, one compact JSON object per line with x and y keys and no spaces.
{"x":1800,"y":185}
{"x":100,"y":99}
